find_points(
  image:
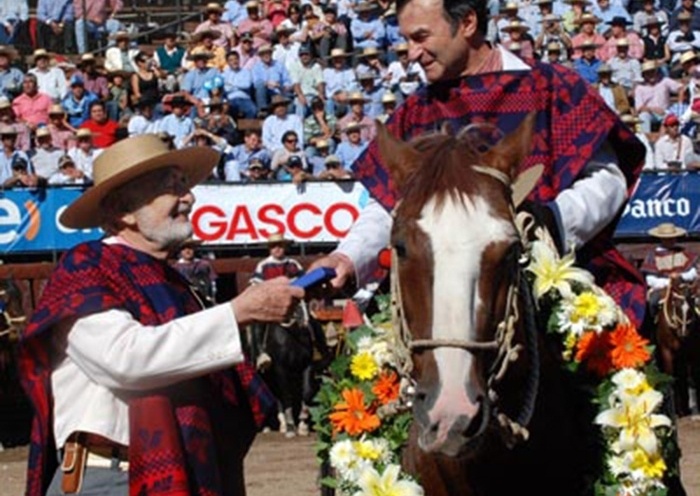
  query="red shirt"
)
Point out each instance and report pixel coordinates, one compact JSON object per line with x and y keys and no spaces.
{"x":104,"y":135}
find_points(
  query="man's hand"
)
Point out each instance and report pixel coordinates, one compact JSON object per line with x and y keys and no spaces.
{"x":268,"y":301}
{"x":344,"y":268}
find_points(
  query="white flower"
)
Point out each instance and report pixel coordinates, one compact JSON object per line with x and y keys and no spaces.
{"x":552,"y":272}
{"x":380,"y":352}
{"x":364,"y":343}
{"x":371,"y":483}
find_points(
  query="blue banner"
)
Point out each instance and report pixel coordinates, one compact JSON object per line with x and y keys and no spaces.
{"x":662,"y":197}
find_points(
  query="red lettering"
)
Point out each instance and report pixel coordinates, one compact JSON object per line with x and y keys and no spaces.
{"x":241,"y":216}
{"x":265,"y":215}
{"x":292,"y":220}
{"x":328,"y":220}
{"x":218,"y":225}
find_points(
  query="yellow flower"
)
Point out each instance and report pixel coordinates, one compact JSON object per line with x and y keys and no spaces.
{"x":586,"y":307}
{"x":371,"y":483}
{"x":367,"y":450}
{"x":363,"y":366}
{"x":552,"y":272}
{"x":652,"y":466}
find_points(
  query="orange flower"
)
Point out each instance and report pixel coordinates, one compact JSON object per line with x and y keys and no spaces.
{"x":386,"y":388}
{"x":594,"y":349}
{"x":351,"y":415}
{"x":629,"y":349}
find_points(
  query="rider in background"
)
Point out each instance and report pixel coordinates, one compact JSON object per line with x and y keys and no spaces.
{"x":666,"y":262}
{"x":198,"y":271}
{"x":275,"y":265}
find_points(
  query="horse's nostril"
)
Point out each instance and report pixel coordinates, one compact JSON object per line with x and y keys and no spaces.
{"x":434,"y":427}
{"x":420,"y":396}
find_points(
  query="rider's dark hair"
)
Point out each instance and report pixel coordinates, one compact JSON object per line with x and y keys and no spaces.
{"x":455,"y":10}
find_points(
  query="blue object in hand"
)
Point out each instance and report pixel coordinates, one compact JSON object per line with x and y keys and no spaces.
{"x":315,"y":277}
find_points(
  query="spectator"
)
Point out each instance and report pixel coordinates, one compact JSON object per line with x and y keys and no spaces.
{"x":318,"y":126}
{"x":256,"y":171}
{"x":16,"y":169}
{"x":32,"y":107}
{"x":204,"y":41}
{"x":14,"y":15}
{"x":316,"y":156}
{"x":275,"y":11}
{"x":587,"y":36}
{"x":349,"y":149}
{"x":45,"y":155}
{"x":357,"y":114}
{"x":294,"y":24}
{"x":649,"y":15}
{"x":334,"y":170}
{"x":258,"y":27}
{"x":104,"y":130}
{"x":194,"y":79}
{"x":289,"y":146}
{"x":56,"y":25}
{"x":571,"y":19}
{"x":67,"y":173}
{"x":552,"y":32}
{"x":121,"y":57}
{"x":517,"y":33}
{"x":307,"y":77}
{"x":404,"y":75}
{"x":243,"y":155}
{"x":177,"y":124}
{"x":655,"y":44}
{"x":198,"y":271}
{"x":652,"y":97}
{"x":388,"y":105}
{"x":84,"y":153}
{"x":619,"y":33}
{"x":238,"y":86}
{"x":10,"y":77}
{"x":51,"y":81}
{"x":93,"y":79}
{"x":270,"y":79}
{"x":370,"y":63}
{"x":673,"y":150}
{"x":248,"y":54}
{"x":234,"y":12}
{"x":612,"y":92}
{"x":286,"y":51}
{"x":608,"y":12}
{"x":367,"y":28}
{"x":117,"y":105}
{"x":555,"y":54}
{"x":372,"y":93}
{"x":217,"y":120}
{"x":626,"y":70}
{"x":340,"y":80}
{"x":169,"y":60}
{"x":144,"y":81}
{"x":96,"y":18}
{"x":587,"y":65}
{"x":7,"y":118}
{"x":294,"y":170}
{"x":61,"y":132}
{"x":683,"y":39}
{"x":142,"y":121}
{"x":687,"y":10}
{"x":508,"y":13}
{"x":633,"y":122}
{"x":213,"y":13}
{"x":330,"y":33}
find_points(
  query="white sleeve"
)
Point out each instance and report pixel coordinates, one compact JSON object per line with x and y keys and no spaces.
{"x":593,"y":200}
{"x":367,"y":237}
{"x":690,"y":275}
{"x":118,"y":352}
{"x":656,"y":282}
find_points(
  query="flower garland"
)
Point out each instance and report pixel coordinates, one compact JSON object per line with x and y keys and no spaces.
{"x":599,"y":338}
{"x":360,"y":421}
{"x":361,"y":430}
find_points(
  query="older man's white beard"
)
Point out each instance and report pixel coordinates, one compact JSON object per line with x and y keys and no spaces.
{"x":164,"y":235}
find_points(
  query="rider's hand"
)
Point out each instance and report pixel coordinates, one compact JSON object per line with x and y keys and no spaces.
{"x":268,"y":301}
{"x":344,"y":268}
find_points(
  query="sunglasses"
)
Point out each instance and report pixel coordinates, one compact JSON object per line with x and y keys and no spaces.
{"x":291,"y":140}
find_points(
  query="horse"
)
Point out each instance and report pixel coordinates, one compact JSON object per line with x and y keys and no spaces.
{"x":493,"y":408}
{"x":678,"y":338}
{"x":299,"y":352}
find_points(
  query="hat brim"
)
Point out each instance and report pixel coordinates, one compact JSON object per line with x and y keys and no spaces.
{"x":676,"y":233}
{"x":196,"y":162}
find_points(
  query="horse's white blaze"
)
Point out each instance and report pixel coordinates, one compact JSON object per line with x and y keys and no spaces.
{"x":459,"y":233}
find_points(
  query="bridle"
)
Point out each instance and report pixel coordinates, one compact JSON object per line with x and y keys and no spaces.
{"x":675,"y":321}
{"x":506,"y":351}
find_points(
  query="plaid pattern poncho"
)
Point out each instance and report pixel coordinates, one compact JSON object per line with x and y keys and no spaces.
{"x":572,"y":124}
{"x":176,"y":448}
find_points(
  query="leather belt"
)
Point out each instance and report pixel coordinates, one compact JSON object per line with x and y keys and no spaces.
{"x":83,"y":449}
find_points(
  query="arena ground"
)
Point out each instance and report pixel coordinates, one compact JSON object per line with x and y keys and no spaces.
{"x":287,"y":466}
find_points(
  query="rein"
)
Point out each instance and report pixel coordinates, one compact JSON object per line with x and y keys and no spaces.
{"x":507,"y":352}
{"x":675,"y":321}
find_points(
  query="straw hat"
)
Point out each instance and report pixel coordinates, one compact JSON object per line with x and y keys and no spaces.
{"x":83,"y":133}
{"x":8,"y":52}
{"x":356,"y":96}
{"x":278,"y":239}
{"x":266,"y":48}
{"x":40,"y":53}
{"x":321,"y":143}
{"x":630,"y":119}
{"x":653,"y":21}
{"x":279,"y":100}
{"x":553,"y":46}
{"x":515,"y":26}
{"x":389,"y":97}
{"x":252,"y":4}
{"x":5,"y":103}
{"x":622,"y":42}
{"x":42,"y":132}
{"x":684,"y":16}
{"x":550,"y":18}
{"x":369,"y":52}
{"x":352,"y":126}
{"x":649,"y":65}
{"x":587,"y":17}
{"x":57,"y":109}
{"x":365,"y":6}
{"x":667,"y":230}
{"x":120,"y":35}
{"x":205,"y":33}
{"x":332,"y":159}
{"x":6,"y":129}
{"x":510,"y":6}
{"x":604,"y":68}
{"x":688,"y":57}
{"x":401,"y":47}
{"x":65,"y":160}
{"x":127,"y":160}
{"x":588,"y":44}
{"x":213,"y":7}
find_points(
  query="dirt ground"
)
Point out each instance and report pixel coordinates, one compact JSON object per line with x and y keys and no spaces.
{"x":287,"y":466}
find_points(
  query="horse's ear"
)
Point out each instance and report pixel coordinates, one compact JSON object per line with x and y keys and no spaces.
{"x":399,"y":157}
{"x":509,"y":153}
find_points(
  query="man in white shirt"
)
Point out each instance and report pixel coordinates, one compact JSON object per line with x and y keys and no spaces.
{"x":50,"y":80}
{"x":121,"y":361}
{"x":672,"y":150}
{"x":279,"y":122}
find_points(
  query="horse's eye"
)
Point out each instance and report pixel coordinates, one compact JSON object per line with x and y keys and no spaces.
{"x":400,"y":248}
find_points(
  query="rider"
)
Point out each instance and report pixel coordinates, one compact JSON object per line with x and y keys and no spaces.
{"x":198,"y":271}
{"x":667,"y":261}
{"x":275,"y":265}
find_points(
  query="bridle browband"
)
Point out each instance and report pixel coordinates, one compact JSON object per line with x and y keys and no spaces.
{"x":507,"y":352}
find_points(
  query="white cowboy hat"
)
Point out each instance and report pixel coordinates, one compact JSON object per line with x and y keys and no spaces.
{"x":128,"y":159}
{"x":277,"y":238}
{"x":667,"y":230}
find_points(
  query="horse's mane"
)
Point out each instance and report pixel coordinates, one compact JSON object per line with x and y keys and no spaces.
{"x":445,"y":172}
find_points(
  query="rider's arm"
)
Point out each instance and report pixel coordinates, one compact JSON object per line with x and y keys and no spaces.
{"x":656,"y":282}
{"x":689,"y":275}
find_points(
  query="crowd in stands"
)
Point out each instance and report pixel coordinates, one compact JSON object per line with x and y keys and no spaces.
{"x":291,"y":90}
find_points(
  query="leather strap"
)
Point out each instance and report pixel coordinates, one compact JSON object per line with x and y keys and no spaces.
{"x":73,"y":466}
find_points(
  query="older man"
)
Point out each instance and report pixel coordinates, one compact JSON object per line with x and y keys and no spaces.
{"x":121,"y":361}
{"x":32,"y":106}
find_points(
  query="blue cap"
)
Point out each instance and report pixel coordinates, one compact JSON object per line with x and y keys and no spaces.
{"x":76,"y":80}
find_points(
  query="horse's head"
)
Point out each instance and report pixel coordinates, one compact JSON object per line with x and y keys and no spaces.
{"x":679,"y":307}
{"x":12,"y":317}
{"x":457,"y":249}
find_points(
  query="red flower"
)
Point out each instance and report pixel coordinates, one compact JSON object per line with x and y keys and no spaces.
{"x":629,"y":349}
{"x":593,"y":349}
